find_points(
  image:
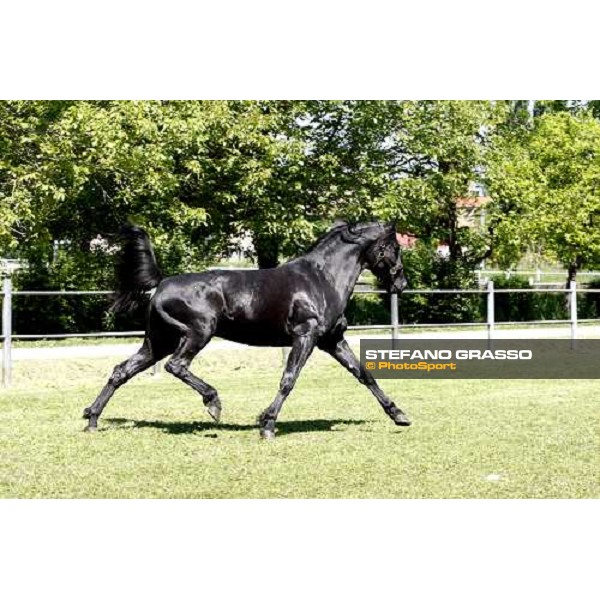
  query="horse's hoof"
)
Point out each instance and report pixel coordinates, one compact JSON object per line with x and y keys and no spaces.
{"x":87,"y":413}
{"x":267,"y":434}
{"x":401,"y":419}
{"x":214,"y":410}
{"x":90,"y":429}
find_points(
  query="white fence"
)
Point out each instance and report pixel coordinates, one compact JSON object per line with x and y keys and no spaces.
{"x":394,"y":326}
{"x":535,"y":276}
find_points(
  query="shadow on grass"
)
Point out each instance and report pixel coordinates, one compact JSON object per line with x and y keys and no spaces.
{"x":283,"y":428}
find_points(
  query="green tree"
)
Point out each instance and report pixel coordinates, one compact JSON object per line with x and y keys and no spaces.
{"x":444,"y":148}
{"x":546,"y":180}
{"x":200,"y":174}
{"x":23,"y":127}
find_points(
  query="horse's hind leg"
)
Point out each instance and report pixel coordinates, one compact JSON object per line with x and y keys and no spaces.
{"x":122,"y":373}
{"x":179,"y":366}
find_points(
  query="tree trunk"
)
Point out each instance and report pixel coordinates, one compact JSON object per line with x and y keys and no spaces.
{"x":574,"y":266}
{"x":267,"y":251}
{"x":453,"y":246}
{"x":451,"y":218}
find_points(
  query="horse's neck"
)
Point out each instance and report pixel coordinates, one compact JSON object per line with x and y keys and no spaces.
{"x":341,"y":263}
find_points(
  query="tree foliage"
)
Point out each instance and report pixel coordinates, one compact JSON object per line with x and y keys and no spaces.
{"x":211,"y":171}
{"x":200,"y":175}
{"x":545,"y":181}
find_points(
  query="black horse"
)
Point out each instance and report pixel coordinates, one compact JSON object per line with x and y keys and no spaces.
{"x":299,"y":304}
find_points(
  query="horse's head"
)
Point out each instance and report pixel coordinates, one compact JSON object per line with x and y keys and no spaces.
{"x":383,"y":256}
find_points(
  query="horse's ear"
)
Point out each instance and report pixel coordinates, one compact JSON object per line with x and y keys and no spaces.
{"x":360,"y":231}
{"x":353,"y":233}
{"x":362,"y":228}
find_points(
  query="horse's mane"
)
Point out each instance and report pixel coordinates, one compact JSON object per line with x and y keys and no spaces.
{"x":341,"y":228}
{"x":328,"y":236}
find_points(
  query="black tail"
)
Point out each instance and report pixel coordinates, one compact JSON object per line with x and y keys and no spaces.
{"x":137,"y":270}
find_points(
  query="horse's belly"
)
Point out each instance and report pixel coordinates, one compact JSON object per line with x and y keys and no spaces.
{"x":253,"y":334}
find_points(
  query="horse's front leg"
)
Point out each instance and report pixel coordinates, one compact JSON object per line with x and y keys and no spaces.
{"x":342,"y":352}
{"x":301,"y":350}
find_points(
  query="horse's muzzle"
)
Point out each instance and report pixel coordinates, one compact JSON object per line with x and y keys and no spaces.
{"x":399,"y":286}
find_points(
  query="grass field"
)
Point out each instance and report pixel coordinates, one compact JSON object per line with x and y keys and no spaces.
{"x":469,"y":439}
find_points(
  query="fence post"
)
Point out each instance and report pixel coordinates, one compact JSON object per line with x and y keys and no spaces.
{"x":7,"y":331}
{"x":490,"y":312}
{"x":573,"y":307}
{"x":394,"y":313}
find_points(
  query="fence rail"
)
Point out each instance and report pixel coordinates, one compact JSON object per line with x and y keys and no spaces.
{"x":537,"y":272}
{"x":394,"y":326}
